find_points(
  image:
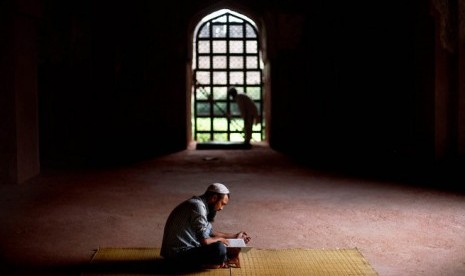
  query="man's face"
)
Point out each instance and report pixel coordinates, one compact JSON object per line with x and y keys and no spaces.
{"x":217,"y":203}
{"x":221,"y":202}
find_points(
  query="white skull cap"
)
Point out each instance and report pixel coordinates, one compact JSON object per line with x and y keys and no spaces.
{"x":218,"y":188}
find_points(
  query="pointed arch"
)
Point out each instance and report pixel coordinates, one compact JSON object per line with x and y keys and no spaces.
{"x":226,"y":50}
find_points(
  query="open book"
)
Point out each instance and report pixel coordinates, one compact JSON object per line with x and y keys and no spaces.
{"x":239,"y":243}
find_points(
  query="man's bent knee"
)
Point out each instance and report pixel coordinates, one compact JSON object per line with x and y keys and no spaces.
{"x":220,"y":251}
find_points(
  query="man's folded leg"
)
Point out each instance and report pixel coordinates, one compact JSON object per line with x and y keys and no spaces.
{"x":213,"y":255}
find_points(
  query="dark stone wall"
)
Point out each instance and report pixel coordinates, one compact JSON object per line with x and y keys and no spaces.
{"x":112,"y":83}
{"x":359,"y":86}
{"x":7,"y":119}
{"x":19,"y":143}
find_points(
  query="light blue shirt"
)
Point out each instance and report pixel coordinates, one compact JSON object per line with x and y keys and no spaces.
{"x":186,"y":226}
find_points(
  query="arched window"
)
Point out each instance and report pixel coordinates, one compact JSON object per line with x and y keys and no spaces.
{"x":226,"y":52}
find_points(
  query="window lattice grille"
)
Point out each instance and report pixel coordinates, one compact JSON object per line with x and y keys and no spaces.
{"x":226,"y":53}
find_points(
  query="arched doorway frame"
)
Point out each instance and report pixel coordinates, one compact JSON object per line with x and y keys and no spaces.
{"x":190,"y":82}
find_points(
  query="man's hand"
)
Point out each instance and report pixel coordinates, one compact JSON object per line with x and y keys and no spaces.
{"x":216,"y":239}
{"x":225,"y":241}
{"x":243,"y":235}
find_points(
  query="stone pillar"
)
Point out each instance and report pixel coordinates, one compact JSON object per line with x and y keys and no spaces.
{"x":19,"y":128}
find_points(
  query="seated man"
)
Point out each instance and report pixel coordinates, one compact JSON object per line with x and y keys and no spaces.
{"x":189,"y":239}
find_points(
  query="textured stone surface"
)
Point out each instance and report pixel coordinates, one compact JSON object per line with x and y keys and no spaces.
{"x":56,"y":221}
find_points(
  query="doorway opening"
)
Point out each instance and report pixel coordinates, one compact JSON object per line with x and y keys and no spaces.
{"x":226,"y":52}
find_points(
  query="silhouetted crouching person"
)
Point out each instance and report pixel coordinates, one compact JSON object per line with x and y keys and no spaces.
{"x":248,"y":109}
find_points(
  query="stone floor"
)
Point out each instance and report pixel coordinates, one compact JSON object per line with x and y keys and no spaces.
{"x":52,"y":224}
